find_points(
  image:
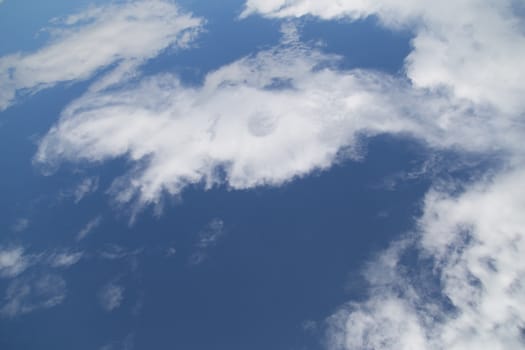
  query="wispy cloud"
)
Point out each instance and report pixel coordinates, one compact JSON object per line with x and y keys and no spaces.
{"x":114,"y":252}
{"x":87,"y":186}
{"x":463,"y":90}
{"x":15,"y":260}
{"x":211,"y":234}
{"x":30,"y":293}
{"x":20,"y":225}
{"x":170,"y":251}
{"x":30,"y":289}
{"x":207,"y":238}
{"x":124,"y":34}
{"x":111,"y":296}
{"x":90,"y":226}
{"x":471,"y":293}
{"x":64,"y":259}
{"x":127,"y":344}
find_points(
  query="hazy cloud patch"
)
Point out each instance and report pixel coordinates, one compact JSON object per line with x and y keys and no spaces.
{"x":127,"y":343}
{"x":64,"y":259}
{"x":111,"y":296}
{"x":235,"y":131}
{"x":13,"y":261}
{"x":20,"y":225}
{"x":30,"y":293}
{"x":471,"y":234}
{"x":90,"y":226}
{"x":207,"y":239}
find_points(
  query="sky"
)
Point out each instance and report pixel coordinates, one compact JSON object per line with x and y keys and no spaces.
{"x":255,"y":174}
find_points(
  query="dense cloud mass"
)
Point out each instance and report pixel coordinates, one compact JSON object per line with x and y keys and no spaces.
{"x":261,"y":120}
{"x":123,"y":35}
{"x":473,"y":239}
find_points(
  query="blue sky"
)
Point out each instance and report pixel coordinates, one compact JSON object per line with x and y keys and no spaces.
{"x":261,"y":175}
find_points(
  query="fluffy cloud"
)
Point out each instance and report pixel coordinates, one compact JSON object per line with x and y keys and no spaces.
{"x":269,"y":118}
{"x":469,"y":291}
{"x":473,"y":244}
{"x":123,"y":35}
{"x":477,"y":53}
{"x":30,"y":293}
{"x":262,"y":120}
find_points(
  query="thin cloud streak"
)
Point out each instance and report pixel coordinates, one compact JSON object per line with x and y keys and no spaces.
{"x":207,"y":239}
{"x":90,"y":227}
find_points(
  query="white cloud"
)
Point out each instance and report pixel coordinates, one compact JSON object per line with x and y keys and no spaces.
{"x":171,"y":251}
{"x":13,"y":261}
{"x":243,"y":124}
{"x":477,"y":53}
{"x":123,"y":34}
{"x":211,"y":234}
{"x":90,"y":226}
{"x":111,"y":296}
{"x":87,"y":186}
{"x":64,"y":259}
{"x":475,"y":242}
{"x":31,"y":293}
